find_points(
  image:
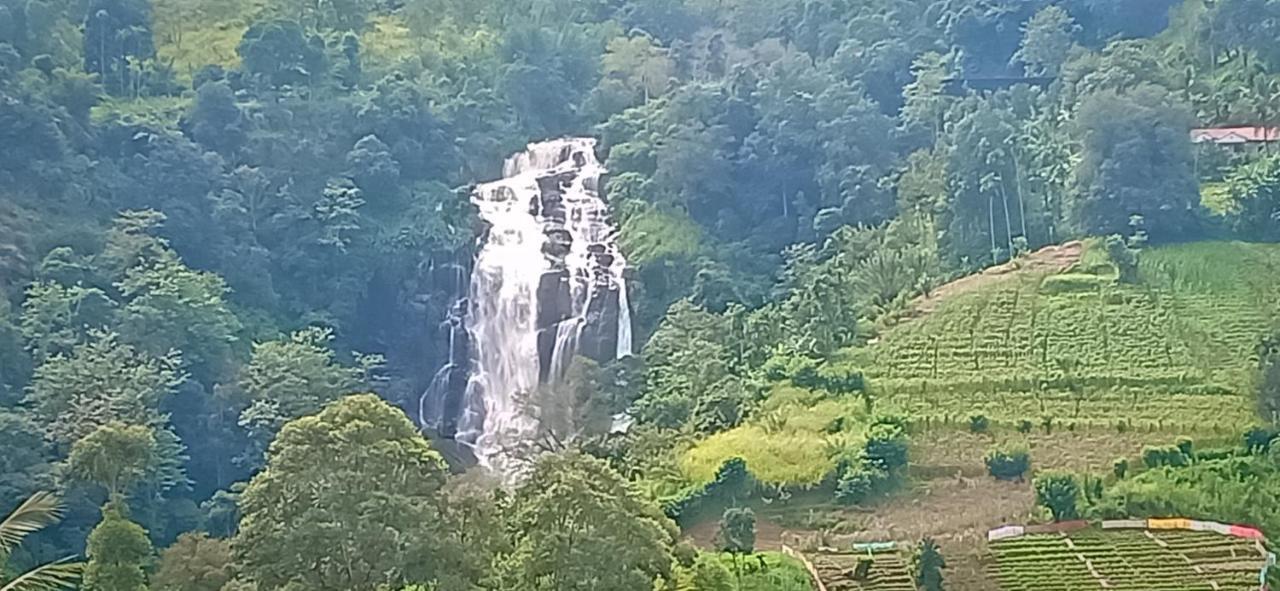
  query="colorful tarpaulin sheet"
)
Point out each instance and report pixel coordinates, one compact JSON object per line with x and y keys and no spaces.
{"x":875,"y":547}
{"x":1124,"y":524}
{"x":1004,"y":533}
{"x":1168,"y":524}
{"x":1241,"y":531}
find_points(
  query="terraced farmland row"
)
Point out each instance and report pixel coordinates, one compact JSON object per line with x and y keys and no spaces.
{"x":1175,"y":348}
{"x":1127,"y":560}
{"x":889,"y":571}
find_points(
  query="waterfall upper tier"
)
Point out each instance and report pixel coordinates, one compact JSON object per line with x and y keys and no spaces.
{"x":548,"y":284}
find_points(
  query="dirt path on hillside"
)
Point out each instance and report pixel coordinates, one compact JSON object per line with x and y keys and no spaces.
{"x":1050,"y":259}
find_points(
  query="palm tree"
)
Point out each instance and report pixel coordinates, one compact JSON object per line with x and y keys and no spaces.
{"x":41,"y":510}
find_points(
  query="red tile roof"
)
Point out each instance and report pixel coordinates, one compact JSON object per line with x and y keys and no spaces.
{"x":1235,"y":135}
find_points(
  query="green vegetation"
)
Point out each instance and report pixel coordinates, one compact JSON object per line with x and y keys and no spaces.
{"x":1059,"y":493}
{"x":927,"y":566}
{"x":857,"y":230}
{"x":766,"y":571}
{"x":1009,"y":463}
{"x":1173,"y":349}
{"x":1127,"y":560}
{"x":32,"y":515}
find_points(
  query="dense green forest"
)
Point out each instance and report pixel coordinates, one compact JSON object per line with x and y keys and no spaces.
{"x":224,"y":223}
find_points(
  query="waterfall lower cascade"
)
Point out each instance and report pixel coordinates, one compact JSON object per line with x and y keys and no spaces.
{"x":547,"y":285}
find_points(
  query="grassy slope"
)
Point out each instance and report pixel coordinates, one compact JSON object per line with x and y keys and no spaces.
{"x":1170,"y":355}
{"x":1173,"y":351}
{"x":786,"y":442}
{"x":196,"y":33}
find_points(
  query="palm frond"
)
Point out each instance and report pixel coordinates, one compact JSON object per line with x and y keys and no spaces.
{"x":54,"y":576}
{"x":40,"y":510}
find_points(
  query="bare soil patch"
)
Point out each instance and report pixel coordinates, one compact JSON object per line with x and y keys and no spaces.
{"x":1048,"y":260}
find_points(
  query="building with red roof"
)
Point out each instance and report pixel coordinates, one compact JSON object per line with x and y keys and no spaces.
{"x":1235,"y":135}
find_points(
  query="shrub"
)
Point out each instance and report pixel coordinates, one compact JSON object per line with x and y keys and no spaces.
{"x":1060,"y":493}
{"x":799,"y":369}
{"x":1123,"y":257}
{"x":1008,"y":463}
{"x":731,"y":483}
{"x":979,"y":424}
{"x":1120,"y":468}
{"x":855,"y":486}
{"x":1025,"y":426}
{"x":1186,"y":446}
{"x":1258,"y":440}
{"x":887,"y":447}
{"x":840,"y":380}
{"x":1154,"y":457}
{"x":737,"y":531}
{"x":927,"y":564}
{"x":685,"y":554}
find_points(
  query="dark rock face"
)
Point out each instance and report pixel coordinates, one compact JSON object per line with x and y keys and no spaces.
{"x":442,"y":403}
{"x":595,"y":329}
{"x":599,"y":339}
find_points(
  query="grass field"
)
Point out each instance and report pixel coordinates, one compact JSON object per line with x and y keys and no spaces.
{"x":790,"y":440}
{"x":1126,"y":560}
{"x":1173,"y":351}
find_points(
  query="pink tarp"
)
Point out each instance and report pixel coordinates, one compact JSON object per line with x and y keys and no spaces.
{"x":1241,"y":531}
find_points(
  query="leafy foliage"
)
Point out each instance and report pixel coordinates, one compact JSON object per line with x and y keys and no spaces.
{"x":119,"y":552}
{"x":576,"y":525}
{"x":355,"y":484}
{"x":1059,"y":493}
{"x":1008,"y":463}
{"x":928,"y":565}
{"x":114,"y":456}
{"x":38,"y":511}
{"x":195,"y":562}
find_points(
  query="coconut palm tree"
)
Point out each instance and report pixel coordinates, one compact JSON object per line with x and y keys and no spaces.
{"x":41,"y":510}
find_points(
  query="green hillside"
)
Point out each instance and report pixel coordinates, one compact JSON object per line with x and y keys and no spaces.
{"x":1174,"y":349}
{"x":1173,"y":353}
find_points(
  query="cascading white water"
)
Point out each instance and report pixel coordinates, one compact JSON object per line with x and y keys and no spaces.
{"x":548,"y":270}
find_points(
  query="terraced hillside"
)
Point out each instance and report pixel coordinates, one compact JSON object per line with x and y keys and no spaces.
{"x":1127,"y":560}
{"x":1173,"y":349}
{"x":890,"y":571}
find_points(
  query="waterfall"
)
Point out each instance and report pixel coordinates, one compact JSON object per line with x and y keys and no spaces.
{"x":548,"y":284}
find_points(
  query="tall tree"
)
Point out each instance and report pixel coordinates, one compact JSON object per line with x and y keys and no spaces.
{"x":348,"y":501}
{"x":1047,"y":41}
{"x":117,"y":34}
{"x":114,"y":456}
{"x":119,"y":552}
{"x":1137,"y":160}
{"x":576,"y":525}
{"x":101,"y":381}
{"x":196,"y":562}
